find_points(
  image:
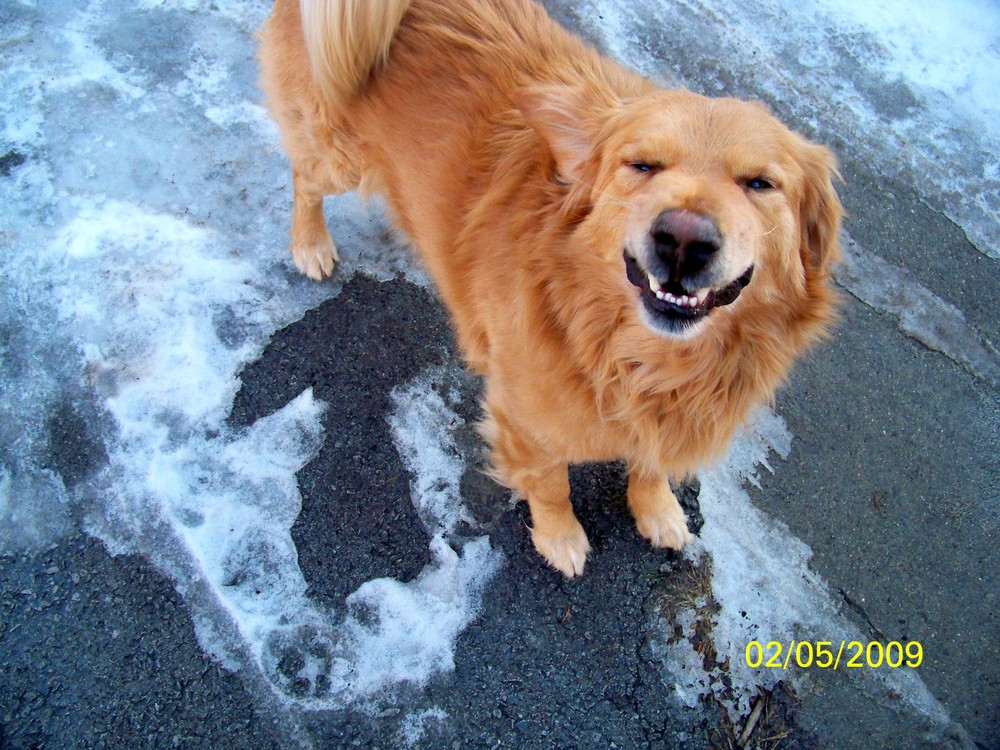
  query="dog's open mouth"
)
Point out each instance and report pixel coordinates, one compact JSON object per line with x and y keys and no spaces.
{"x":672,"y":302}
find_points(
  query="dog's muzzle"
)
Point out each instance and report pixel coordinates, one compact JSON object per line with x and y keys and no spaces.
{"x":675,"y":273}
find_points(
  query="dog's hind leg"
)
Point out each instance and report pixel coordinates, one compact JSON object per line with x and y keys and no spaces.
{"x":312,"y":248}
{"x":321,"y":147}
{"x":658,"y":515}
{"x":323,"y":165}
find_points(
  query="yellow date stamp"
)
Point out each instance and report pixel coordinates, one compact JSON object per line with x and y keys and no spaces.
{"x":833,"y":655}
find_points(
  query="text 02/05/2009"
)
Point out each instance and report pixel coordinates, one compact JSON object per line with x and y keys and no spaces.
{"x":832,"y":655}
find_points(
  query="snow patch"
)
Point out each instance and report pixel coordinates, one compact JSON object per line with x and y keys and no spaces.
{"x":247,"y":14}
{"x":414,"y":726}
{"x":925,"y":54}
{"x":416,"y":625}
{"x":920,"y":313}
{"x":142,"y":293}
{"x":89,"y":65}
{"x":422,"y":427}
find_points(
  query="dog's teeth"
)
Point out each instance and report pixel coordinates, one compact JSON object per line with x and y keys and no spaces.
{"x":654,"y":285}
{"x":684,"y":300}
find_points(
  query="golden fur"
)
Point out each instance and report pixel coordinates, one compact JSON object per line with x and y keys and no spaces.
{"x":526,"y":168}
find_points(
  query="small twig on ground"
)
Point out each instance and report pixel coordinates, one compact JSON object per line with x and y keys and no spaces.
{"x":751,"y":722}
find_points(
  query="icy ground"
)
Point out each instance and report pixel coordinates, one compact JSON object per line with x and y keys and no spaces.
{"x":143,"y":211}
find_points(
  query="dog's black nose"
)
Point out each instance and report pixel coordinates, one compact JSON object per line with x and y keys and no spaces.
{"x":685,"y":241}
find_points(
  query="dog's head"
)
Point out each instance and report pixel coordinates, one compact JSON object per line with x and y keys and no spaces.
{"x":690,"y":199}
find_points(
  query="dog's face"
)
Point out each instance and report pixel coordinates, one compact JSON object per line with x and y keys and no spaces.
{"x":692,"y":199}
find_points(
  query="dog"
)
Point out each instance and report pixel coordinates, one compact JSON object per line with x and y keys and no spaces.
{"x":630,"y":269}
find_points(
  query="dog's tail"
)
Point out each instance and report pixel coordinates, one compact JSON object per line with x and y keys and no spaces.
{"x":347,"y":40}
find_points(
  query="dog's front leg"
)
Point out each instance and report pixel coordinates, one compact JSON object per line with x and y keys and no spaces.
{"x":556,"y":532}
{"x":658,"y":515}
{"x":543,"y":481}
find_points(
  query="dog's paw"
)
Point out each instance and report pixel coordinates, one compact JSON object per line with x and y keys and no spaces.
{"x":566,"y":551}
{"x":668,"y":528}
{"x":315,"y":261}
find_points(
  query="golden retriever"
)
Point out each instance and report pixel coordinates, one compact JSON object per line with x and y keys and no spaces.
{"x":631,"y":270}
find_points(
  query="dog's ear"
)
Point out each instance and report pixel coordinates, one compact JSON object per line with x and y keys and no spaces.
{"x":820,"y":211}
{"x":567,"y":118}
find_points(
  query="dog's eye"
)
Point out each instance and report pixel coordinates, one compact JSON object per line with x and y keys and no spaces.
{"x":759,"y":183}
{"x":645,"y":167}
